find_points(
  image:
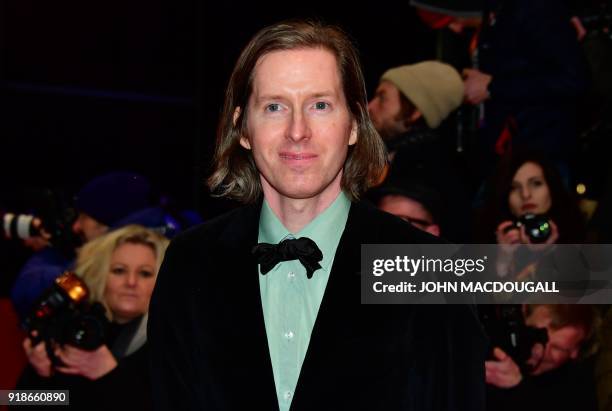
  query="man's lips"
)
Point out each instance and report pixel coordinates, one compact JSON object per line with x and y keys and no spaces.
{"x":529,"y":206}
{"x":290,"y":156}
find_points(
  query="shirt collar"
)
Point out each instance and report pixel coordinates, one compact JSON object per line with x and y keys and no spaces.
{"x":325,"y":229}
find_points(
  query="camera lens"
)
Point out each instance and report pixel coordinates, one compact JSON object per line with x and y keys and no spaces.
{"x":537,"y":227}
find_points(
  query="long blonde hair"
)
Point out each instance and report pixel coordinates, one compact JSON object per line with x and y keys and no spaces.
{"x":93,"y":262}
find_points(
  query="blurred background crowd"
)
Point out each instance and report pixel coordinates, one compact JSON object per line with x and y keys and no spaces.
{"x":496,"y":115}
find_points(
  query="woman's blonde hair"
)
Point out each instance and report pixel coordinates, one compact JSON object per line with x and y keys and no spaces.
{"x":93,"y":262}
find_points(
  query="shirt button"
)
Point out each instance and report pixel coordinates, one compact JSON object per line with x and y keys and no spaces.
{"x":287,"y":395}
{"x":289,"y":335}
{"x":291,"y":275}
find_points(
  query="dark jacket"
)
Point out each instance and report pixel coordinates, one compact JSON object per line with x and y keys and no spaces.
{"x":423,"y":157}
{"x":126,"y":387}
{"x":568,"y":388}
{"x":208,"y":341}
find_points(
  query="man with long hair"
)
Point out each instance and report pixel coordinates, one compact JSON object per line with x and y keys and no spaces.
{"x":262,"y":306}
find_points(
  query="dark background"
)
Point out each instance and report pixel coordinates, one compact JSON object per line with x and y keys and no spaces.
{"x":90,"y":87}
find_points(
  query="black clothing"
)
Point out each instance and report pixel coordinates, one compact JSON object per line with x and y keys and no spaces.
{"x":209,"y":347}
{"x":303,"y":249}
{"x":539,"y":72}
{"x":127,"y":386}
{"x":423,"y":158}
{"x":568,"y":388}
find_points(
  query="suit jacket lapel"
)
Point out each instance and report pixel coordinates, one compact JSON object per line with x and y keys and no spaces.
{"x":334,"y":320}
{"x":347,"y":336}
{"x":236,"y":241}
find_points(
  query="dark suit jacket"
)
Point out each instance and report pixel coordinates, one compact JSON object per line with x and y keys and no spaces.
{"x":208,"y":341}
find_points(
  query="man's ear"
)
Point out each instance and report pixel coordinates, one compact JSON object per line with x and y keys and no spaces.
{"x":353,"y":136}
{"x":413,"y":118}
{"x":574,"y":353}
{"x":244,"y":142}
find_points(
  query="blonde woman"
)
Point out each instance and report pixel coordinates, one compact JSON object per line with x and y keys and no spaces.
{"x":120,"y":269}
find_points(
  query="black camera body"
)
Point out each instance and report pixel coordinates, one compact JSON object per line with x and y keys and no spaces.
{"x":64,"y":316}
{"x":537,"y":227}
{"x":506,"y":329}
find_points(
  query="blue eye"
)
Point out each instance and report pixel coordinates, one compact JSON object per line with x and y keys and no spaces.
{"x":274,"y":107}
{"x":321,"y":105}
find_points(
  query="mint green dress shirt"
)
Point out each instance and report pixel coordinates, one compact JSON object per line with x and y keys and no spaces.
{"x":289,"y":299}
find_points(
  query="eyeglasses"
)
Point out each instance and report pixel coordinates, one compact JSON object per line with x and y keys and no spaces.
{"x":417,"y":222}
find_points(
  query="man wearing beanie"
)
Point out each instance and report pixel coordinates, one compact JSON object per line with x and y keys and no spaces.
{"x":420,"y":95}
{"x":106,"y":202}
{"x":408,"y":110}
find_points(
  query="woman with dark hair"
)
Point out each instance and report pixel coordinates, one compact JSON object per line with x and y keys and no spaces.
{"x":527,"y":183}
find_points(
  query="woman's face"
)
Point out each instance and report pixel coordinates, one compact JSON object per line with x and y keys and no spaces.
{"x":130,"y":281}
{"x":529,"y":192}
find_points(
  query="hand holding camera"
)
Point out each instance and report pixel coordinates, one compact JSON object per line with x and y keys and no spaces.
{"x":503,"y":372}
{"x":537,"y":232}
{"x":516,"y":348}
{"x":72,"y":360}
{"x":90,"y":364}
{"x":67,"y":332}
{"x":38,"y":358}
{"x":532,"y":229}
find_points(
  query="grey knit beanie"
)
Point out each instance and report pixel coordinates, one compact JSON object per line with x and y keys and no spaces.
{"x":435,"y":89}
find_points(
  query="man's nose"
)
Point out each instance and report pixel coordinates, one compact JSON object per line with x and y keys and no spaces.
{"x":298,"y":127}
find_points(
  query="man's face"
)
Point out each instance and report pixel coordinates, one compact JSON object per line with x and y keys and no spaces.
{"x":563,"y":344}
{"x":88,"y":228}
{"x":299,"y":126}
{"x":385,"y":111}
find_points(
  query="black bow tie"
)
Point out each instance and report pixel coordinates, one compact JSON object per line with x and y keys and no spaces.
{"x":303,"y":249}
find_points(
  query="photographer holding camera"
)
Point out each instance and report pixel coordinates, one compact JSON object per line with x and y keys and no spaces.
{"x":528,"y":189}
{"x":552,"y":377}
{"x":119,"y":269}
{"x":106,"y":202}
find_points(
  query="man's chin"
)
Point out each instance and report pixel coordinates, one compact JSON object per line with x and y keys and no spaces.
{"x":305,"y":192}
